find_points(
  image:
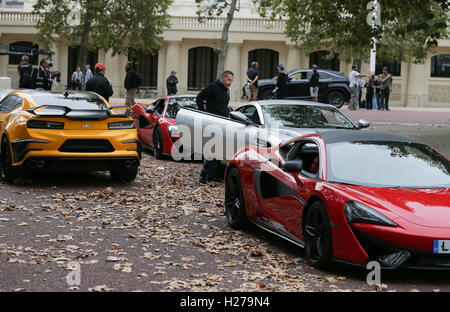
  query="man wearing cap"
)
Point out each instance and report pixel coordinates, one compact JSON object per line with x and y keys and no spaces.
{"x":355,"y":80}
{"x":282,"y":81}
{"x":99,"y":84}
{"x":171,"y":83}
{"x":314,"y":84}
{"x":252,"y":77}
{"x":386,"y":89}
{"x":132,"y":82}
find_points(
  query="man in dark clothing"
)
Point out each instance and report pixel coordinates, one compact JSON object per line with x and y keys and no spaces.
{"x":171,"y":83}
{"x":282,"y":81}
{"x":132,"y":82}
{"x":214,"y":99}
{"x":25,"y":69}
{"x":314,"y":84}
{"x":252,"y":77}
{"x":99,"y":84}
{"x":40,"y":79}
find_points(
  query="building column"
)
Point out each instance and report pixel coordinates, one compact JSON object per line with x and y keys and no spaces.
{"x":233,"y":63}
{"x":418,"y":82}
{"x":172,"y":62}
{"x":115,"y":72}
{"x":294,"y":58}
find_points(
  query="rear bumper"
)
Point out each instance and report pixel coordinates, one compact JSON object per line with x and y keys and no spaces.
{"x":55,"y":164}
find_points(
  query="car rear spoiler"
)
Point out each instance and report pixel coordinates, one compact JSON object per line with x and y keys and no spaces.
{"x":67,"y":112}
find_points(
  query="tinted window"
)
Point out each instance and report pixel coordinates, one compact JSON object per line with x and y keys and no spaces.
{"x":387,"y":164}
{"x":299,"y":76}
{"x":10,"y":103}
{"x":305,"y":116}
{"x":86,"y":102}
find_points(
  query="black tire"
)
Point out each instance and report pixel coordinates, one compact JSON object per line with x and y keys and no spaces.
{"x":157,"y":143}
{"x":234,"y":201}
{"x":336,"y":98}
{"x":317,"y":236}
{"x":124,"y":175}
{"x":267,"y":94}
{"x":7,"y":172}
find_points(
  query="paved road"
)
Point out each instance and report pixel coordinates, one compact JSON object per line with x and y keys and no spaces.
{"x":163,"y":232}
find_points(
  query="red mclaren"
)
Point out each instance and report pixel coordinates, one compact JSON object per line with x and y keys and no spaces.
{"x":156,"y":124}
{"x":347,"y":196}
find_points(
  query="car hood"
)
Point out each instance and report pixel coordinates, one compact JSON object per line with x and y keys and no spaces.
{"x":425,"y":207}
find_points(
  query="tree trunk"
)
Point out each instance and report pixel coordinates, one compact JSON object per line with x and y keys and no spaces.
{"x":84,"y":48}
{"x":224,"y":43}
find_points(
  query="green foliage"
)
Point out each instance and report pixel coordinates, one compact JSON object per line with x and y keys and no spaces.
{"x":408,"y":28}
{"x":104,"y":24}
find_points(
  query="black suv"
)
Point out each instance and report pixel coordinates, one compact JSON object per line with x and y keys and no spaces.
{"x":333,"y":87}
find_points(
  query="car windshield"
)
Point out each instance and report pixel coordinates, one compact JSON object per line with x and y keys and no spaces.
{"x":305,"y":116}
{"x":387,"y":164}
{"x":72,"y":101}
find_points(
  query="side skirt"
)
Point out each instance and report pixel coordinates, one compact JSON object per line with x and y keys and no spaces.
{"x":269,"y":227}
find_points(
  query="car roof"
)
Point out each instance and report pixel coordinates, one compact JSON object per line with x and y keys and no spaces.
{"x":336,"y":136}
{"x":288,"y":102}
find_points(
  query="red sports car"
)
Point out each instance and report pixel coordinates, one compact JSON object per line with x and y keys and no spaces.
{"x":346,"y":195}
{"x":156,"y":125}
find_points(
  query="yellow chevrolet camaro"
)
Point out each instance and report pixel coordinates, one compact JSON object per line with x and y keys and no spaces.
{"x":71,"y":131}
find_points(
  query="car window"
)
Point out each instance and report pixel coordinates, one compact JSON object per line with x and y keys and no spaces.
{"x":308,"y":152}
{"x":176,"y":104}
{"x":302,"y":75}
{"x":10,"y":103}
{"x":159,"y":107}
{"x":252,"y":113}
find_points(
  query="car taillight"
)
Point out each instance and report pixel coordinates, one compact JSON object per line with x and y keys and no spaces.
{"x":42,"y":124}
{"x":121,"y":125}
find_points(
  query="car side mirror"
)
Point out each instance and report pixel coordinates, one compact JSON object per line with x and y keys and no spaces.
{"x":362,"y":123}
{"x":294,"y":166}
{"x":150,"y":110}
{"x":241,"y":117}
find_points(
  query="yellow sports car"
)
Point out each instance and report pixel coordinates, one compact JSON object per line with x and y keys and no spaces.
{"x":70,"y":131}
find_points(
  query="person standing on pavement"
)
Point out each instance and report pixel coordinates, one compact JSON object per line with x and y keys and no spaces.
{"x":282,"y":81}
{"x":99,"y":83}
{"x":386,"y":88}
{"x":377,"y":91}
{"x":132,"y":82}
{"x":354,"y":78}
{"x":370,"y":92}
{"x":25,"y":69}
{"x":77,"y":79}
{"x":87,"y":76}
{"x":40,"y":79}
{"x":252,"y":77}
{"x":215,"y":99}
{"x":314,"y":84}
{"x":171,"y":83}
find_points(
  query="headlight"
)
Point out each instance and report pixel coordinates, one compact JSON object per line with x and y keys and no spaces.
{"x":173,"y":131}
{"x":41,"y":124}
{"x":359,"y":213}
{"x":121,"y":125}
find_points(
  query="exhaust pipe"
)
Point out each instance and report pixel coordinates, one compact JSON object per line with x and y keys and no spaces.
{"x":40,"y":164}
{"x":32,"y":163}
{"x":128,"y":164}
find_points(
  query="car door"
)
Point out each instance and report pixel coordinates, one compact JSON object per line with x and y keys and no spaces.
{"x":7,"y":105}
{"x":298,"y":87}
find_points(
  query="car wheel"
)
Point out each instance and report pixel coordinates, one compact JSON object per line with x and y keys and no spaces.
{"x":336,"y":98}
{"x":317,"y":236}
{"x":157,"y":144}
{"x":267,"y":94}
{"x":234,"y":201}
{"x":124,"y":175}
{"x":7,"y":171}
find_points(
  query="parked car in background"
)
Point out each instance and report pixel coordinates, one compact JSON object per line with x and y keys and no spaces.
{"x":333,"y":87}
{"x":156,"y":124}
{"x":71,"y":131}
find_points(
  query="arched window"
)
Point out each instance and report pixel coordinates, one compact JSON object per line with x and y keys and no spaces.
{"x":146,"y":64}
{"x":394,"y":68}
{"x":24,"y":47}
{"x":319,"y":58}
{"x":440,"y":66}
{"x":267,"y":61}
{"x":202,"y":67}
{"x":92,"y":59}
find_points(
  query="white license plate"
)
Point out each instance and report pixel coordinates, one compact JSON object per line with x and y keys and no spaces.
{"x":441,"y":247}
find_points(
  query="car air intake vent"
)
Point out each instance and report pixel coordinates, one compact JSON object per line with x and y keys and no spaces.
{"x":86,"y":146}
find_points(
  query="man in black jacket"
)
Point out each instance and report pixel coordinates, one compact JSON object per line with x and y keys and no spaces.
{"x":282,"y":81}
{"x":132,"y":82}
{"x":40,"y":79}
{"x":171,"y":83}
{"x":25,"y":69}
{"x":214,"y":99}
{"x":99,"y":84}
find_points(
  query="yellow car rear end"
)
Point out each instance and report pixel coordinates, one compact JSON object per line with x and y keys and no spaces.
{"x":65,"y":132}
